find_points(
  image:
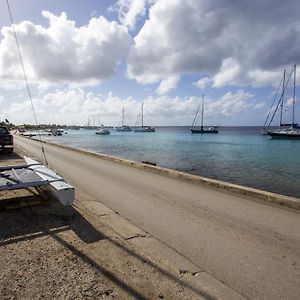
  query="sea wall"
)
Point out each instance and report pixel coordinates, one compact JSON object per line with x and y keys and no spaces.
{"x":257,"y":194}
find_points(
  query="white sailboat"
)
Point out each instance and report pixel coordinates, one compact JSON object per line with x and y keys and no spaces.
{"x":102,"y":130}
{"x":123,"y":128}
{"x":57,"y":186}
{"x":34,"y":174}
{"x":144,"y":128}
{"x":213,"y":129}
{"x":280,"y":104}
{"x":294,"y":131}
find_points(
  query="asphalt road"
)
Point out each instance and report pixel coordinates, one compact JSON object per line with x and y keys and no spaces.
{"x":252,"y":247}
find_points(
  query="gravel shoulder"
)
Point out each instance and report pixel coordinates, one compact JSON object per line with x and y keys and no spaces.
{"x":85,"y":252}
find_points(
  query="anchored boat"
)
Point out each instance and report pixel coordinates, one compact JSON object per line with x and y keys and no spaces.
{"x":102,"y":130}
{"x":123,"y":128}
{"x":144,"y":128}
{"x":212,"y":129}
{"x":294,"y":131}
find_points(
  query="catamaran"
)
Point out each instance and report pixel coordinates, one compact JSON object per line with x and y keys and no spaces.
{"x":144,"y":128}
{"x":34,"y":174}
{"x":212,"y":129}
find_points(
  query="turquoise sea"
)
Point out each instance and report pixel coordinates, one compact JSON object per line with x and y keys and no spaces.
{"x":237,"y":154}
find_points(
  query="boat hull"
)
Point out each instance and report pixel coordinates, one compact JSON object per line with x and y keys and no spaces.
{"x":144,"y":129}
{"x":204,"y":131}
{"x":124,"y":129}
{"x":283,"y":135}
{"x":103,"y":133}
{"x":57,"y":187}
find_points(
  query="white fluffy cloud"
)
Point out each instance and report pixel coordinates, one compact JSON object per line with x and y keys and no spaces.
{"x":62,"y":52}
{"x":203,"y":82}
{"x":167,"y":84}
{"x":75,"y":106}
{"x":130,"y":10}
{"x":233,"y":103}
{"x":234,"y":42}
{"x":231,"y":73}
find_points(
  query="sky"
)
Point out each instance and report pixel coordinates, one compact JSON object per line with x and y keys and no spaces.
{"x":85,"y":60}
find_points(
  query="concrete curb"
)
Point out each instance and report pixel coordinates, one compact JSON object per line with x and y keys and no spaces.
{"x":161,"y":254}
{"x":268,"y":197}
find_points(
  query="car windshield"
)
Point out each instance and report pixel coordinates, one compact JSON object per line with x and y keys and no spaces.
{"x":3,"y":130}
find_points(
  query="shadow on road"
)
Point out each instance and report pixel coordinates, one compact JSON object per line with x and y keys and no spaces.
{"x":51,"y":219}
{"x":11,"y":156}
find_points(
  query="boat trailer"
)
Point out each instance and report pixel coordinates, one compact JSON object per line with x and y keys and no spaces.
{"x":36,"y":175}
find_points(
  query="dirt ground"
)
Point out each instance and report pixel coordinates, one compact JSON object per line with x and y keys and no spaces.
{"x":48,"y":251}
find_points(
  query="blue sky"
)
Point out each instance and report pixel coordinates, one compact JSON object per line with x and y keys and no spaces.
{"x":88,"y":59}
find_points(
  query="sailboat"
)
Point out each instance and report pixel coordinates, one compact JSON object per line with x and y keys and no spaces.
{"x":123,"y":128}
{"x":212,"y":129}
{"x":270,"y":118}
{"x":102,"y":130}
{"x":294,"y":131}
{"x":34,"y":174}
{"x":144,"y":128}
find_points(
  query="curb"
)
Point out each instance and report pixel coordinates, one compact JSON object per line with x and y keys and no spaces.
{"x":269,"y":197}
{"x":198,"y":281}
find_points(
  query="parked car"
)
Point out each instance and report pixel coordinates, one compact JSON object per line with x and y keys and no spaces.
{"x":6,"y":140}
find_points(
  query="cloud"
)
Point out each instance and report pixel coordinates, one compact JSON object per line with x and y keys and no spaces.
{"x":231,"y":73}
{"x":233,"y":42}
{"x":62,"y":52}
{"x":290,"y":101}
{"x":76,"y":106}
{"x":203,"y":82}
{"x":233,"y":103}
{"x":130,"y":10}
{"x":167,"y":85}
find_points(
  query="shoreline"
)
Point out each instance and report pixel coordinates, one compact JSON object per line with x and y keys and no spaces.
{"x":234,"y":238}
{"x":239,"y":156}
{"x":266,"y":196}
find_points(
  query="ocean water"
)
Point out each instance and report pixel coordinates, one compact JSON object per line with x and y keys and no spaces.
{"x":238,"y":155}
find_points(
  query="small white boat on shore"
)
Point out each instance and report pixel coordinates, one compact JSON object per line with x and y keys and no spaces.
{"x":57,"y":187}
{"x":34,"y":133}
{"x":35,"y":175}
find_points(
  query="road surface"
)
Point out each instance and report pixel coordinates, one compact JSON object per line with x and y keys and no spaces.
{"x":252,"y":247}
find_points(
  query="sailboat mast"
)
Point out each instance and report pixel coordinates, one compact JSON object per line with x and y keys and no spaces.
{"x":142,"y":114}
{"x":202,"y":110}
{"x":123,"y":117}
{"x":294,"y":95}
{"x":282,"y":97}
